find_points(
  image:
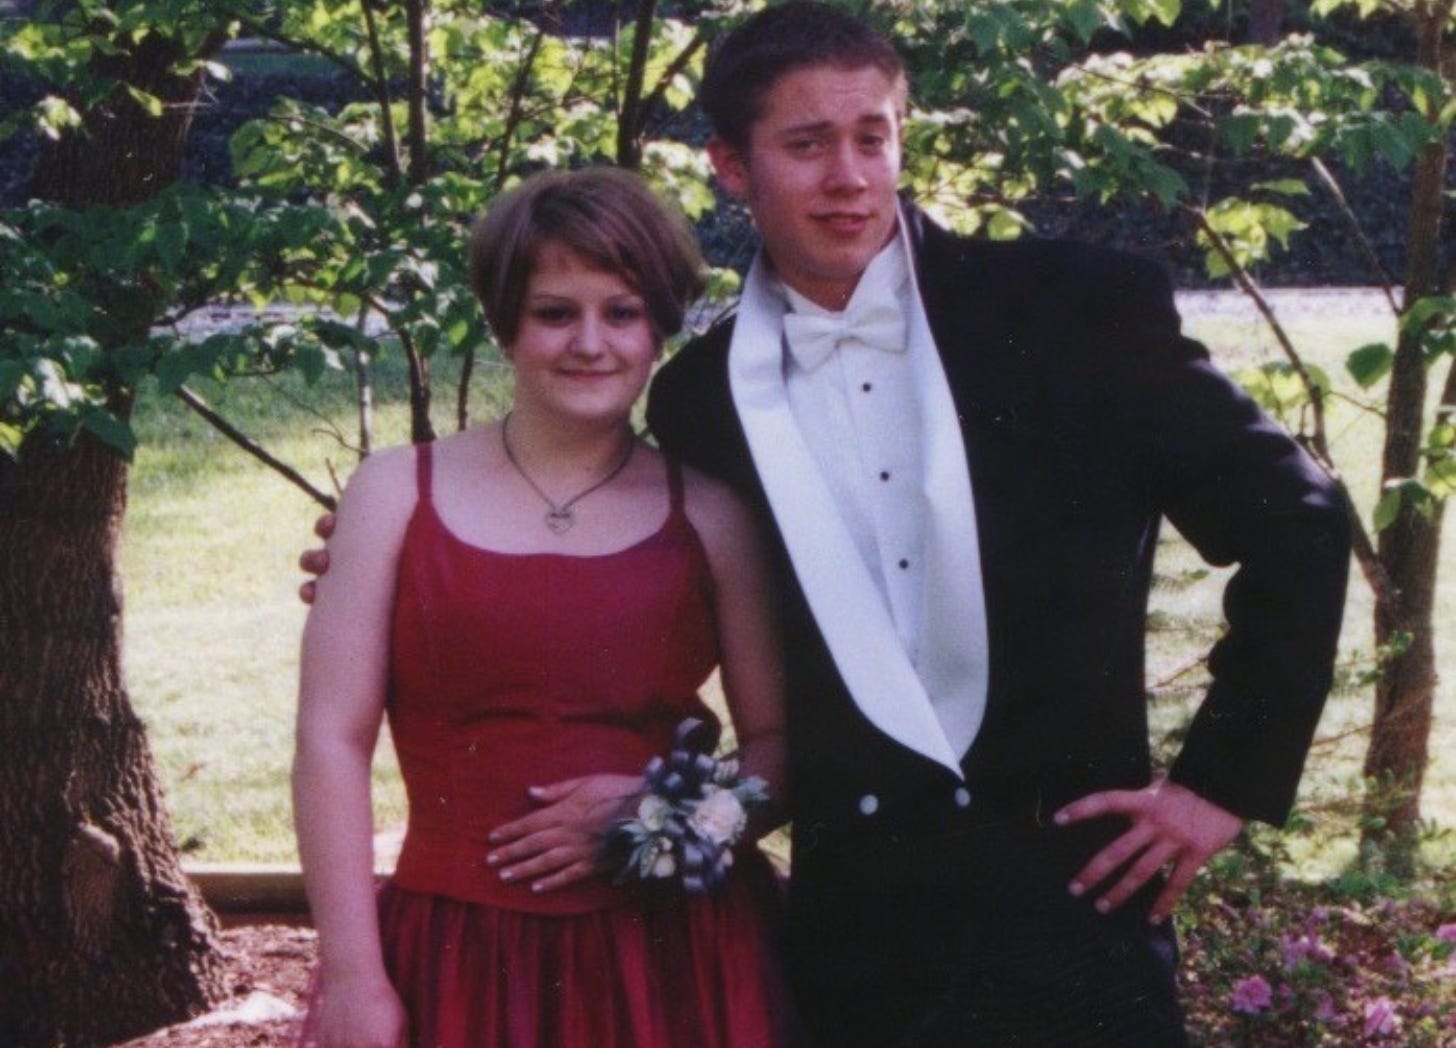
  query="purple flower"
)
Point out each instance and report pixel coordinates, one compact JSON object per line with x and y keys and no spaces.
{"x":1446,"y":933}
{"x":1380,"y":1017}
{"x":1252,"y":995}
{"x":1307,"y":947}
{"x":1324,"y":1010}
{"x":1395,"y":964}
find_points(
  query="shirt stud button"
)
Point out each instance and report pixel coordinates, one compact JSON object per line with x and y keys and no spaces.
{"x":867,"y":386}
{"x":904,"y":564}
{"x":962,"y":797}
{"x":884,"y":474}
{"x":869,"y":804}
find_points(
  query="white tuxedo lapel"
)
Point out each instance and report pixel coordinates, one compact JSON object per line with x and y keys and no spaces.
{"x":955,"y":642}
{"x":842,"y":596}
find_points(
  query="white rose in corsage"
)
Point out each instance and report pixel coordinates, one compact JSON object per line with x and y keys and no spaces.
{"x":653,"y":812}
{"x":719,"y":817}
{"x":694,"y":809}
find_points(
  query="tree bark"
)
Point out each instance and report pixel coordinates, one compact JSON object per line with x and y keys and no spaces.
{"x":101,"y":936}
{"x":1266,"y":19}
{"x":1399,"y":751}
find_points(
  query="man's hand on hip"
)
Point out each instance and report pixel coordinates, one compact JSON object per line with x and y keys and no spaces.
{"x":1171,"y":827}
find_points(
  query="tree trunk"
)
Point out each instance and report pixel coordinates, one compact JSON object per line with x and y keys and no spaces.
{"x":1266,"y":19}
{"x":1396,"y":760}
{"x":101,"y":936}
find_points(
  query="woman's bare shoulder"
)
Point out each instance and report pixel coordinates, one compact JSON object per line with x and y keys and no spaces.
{"x":381,"y":490}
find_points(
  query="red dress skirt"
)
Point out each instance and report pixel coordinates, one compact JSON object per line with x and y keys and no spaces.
{"x":509,"y":671}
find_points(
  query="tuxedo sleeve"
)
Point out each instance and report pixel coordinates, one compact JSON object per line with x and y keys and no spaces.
{"x":1239,"y":488}
{"x":690,"y":411}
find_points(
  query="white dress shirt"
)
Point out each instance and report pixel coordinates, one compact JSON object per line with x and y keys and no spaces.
{"x":859,"y":414}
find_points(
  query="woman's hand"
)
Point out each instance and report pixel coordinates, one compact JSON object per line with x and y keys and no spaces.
{"x":361,"y":1012}
{"x":560,"y":843}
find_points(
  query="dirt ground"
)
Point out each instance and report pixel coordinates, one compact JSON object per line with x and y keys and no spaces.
{"x":268,"y":967}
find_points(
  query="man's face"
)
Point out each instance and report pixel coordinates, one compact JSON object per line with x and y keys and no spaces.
{"x":819,"y":175}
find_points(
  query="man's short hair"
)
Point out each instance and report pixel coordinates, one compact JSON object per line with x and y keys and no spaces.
{"x":746,"y":64}
{"x":604,"y":214}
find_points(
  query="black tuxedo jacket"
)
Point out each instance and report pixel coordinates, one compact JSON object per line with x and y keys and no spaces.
{"x":1087,"y":418}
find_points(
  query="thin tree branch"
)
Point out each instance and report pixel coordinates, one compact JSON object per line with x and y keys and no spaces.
{"x":1179,"y":673}
{"x":416,"y":14}
{"x":322,"y":128}
{"x":1192,"y":101}
{"x":326,"y":424}
{"x":421,"y":431}
{"x":1371,"y":258}
{"x":1366,"y":556}
{"x":364,"y":388}
{"x":345,"y":63}
{"x":629,"y":117}
{"x":1249,"y":288}
{"x":252,"y":447}
{"x":381,"y":93}
{"x":676,"y":66}
{"x":462,"y":390}
{"x":518,"y":95}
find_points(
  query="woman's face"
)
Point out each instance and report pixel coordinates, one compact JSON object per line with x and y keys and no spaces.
{"x":584,"y":346}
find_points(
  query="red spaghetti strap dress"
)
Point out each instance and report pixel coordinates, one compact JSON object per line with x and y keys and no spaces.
{"x":514,"y":670}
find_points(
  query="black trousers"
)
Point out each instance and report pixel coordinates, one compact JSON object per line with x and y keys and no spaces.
{"x":992,"y":951}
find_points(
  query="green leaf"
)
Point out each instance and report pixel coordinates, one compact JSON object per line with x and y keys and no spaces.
{"x":10,"y":437}
{"x":149,"y":102}
{"x":1424,"y":310}
{"x":1440,"y":478}
{"x":56,"y":116}
{"x":1240,"y":131}
{"x":1284,"y":187}
{"x":1387,"y":509}
{"x":1370,"y":363}
{"x":175,"y":367}
{"x":109,"y":429}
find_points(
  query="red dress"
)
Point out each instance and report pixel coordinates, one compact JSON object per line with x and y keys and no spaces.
{"x":513,"y":670}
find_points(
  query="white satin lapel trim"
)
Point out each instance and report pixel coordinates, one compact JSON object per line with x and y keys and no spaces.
{"x":955,"y":641}
{"x":841,"y":594}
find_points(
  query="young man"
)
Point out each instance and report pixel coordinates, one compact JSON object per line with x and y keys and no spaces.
{"x":964,"y":450}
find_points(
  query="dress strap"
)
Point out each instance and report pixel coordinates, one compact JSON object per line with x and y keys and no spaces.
{"x":674,"y":484}
{"x":424,"y":469}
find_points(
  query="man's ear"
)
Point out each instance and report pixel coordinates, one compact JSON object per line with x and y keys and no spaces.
{"x":729,"y":165}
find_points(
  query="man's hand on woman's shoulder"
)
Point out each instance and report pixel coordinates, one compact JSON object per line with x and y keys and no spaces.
{"x":316,"y":561}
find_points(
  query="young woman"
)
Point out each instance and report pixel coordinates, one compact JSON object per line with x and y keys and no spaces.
{"x":535,"y":603}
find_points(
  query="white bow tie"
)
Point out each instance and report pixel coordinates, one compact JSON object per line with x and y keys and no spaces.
{"x":812,"y":337}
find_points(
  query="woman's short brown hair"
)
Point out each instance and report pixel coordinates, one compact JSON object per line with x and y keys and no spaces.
{"x":604,"y":214}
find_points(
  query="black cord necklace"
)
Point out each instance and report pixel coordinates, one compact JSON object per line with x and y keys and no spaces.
{"x":559,"y":517}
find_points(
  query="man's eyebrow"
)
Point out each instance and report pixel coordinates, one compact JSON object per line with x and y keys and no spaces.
{"x":816,"y":126}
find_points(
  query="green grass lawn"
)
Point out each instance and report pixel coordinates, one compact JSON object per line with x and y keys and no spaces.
{"x":213,"y":622}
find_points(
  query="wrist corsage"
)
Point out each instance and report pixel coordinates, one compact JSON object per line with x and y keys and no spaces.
{"x":693,"y":810}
